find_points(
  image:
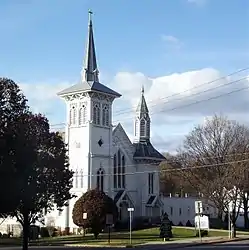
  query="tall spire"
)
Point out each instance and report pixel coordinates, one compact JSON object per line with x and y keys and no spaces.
{"x":90,"y":72}
{"x":142,"y":108}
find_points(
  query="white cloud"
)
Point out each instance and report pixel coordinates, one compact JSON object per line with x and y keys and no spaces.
{"x":179,"y":101}
{"x":172,"y":41}
{"x":176,"y":101}
{"x":42,"y":98}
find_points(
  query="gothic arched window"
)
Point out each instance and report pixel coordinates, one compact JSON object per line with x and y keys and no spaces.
{"x":96,"y":114}
{"x":100,"y":179}
{"x":72,"y":115}
{"x":82,"y":114}
{"x":123,"y":171}
{"x":148,"y":128}
{"x":137,"y":127}
{"x":142,"y":127}
{"x":119,"y":169}
{"x":105,"y":115}
{"x":76,"y":178}
{"x":115,"y":171}
{"x":81,"y":178}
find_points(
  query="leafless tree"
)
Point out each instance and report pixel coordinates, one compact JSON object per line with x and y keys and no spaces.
{"x":215,"y":156}
{"x":171,"y":179}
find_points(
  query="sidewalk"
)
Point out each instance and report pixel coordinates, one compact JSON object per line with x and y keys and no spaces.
{"x":157,"y":245}
{"x":188,"y":242}
{"x":217,"y":230}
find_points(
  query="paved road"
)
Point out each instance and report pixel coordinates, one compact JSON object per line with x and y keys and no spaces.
{"x":224,"y":246}
{"x":243,"y":244}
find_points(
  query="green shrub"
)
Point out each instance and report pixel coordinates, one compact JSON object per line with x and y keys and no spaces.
{"x":217,"y":223}
{"x":44,"y":232}
{"x":180,"y":224}
{"x":188,"y":224}
{"x":203,"y":233}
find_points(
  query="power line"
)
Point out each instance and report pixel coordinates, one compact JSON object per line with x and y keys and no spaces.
{"x":187,"y":90}
{"x":197,"y":102}
{"x":174,"y":161}
{"x":107,"y":145}
{"x":170,"y":170}
{"x":215,"y":97}
{"x":200,"y":101}
{"x":198,"y":93}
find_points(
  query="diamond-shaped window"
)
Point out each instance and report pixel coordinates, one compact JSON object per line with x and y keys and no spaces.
{"x":100,"y":142}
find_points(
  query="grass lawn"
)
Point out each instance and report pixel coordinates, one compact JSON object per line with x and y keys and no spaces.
{"x":117,"y":239}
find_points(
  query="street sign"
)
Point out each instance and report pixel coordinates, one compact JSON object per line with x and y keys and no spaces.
{"x":109,"y":219}
{"x":84,"y":216}
{"x":130,"y":210}
{"x":198,"y":207}
{"x":202,"y":222}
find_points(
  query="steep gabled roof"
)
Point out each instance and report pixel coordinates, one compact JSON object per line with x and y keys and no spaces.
{"x":145,"y":150}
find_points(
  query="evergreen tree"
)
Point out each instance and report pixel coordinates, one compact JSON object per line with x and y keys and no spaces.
{"x":165,"y":228}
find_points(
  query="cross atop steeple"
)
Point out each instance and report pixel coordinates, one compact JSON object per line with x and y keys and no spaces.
{"x":142,"y":91}
{"x":90,"y":14}
{"x":90,"y":72}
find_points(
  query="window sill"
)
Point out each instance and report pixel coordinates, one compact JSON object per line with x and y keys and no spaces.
{"x":101,"y":126}
{"x":77,"y":126}
{"x":119,"y":189}
{"x":83,"y":125}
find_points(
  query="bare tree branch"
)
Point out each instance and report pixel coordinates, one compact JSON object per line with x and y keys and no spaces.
{"x":216,"y":142}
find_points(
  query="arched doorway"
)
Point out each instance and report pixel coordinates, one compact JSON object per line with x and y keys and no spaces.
{"x":123,"y":211}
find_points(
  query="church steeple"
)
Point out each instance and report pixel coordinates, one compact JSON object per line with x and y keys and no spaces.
{"x":89,"y":80}
{"x":142,"y":120}
{"x":90,"y":72}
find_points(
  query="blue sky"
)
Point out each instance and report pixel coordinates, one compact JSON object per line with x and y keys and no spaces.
{"x":43,"y":41}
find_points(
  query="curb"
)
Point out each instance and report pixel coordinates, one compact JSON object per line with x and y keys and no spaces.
{"x":166,"y":246}
{"x":207,"y":243}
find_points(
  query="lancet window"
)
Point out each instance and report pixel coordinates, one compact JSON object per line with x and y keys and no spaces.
{"x":82,"y":114}
{"x":100,"y":179}
{"x":119,"y":170}
{"x":96,"y":113}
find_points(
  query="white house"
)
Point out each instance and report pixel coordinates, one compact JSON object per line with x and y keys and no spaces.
{"x":101,"y":155}
{"x":182,"y":209}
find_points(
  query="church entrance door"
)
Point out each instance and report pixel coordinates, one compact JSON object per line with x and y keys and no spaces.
{"x":124,"y":214}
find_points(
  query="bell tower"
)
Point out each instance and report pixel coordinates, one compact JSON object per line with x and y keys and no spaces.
{"x":89,"y":127}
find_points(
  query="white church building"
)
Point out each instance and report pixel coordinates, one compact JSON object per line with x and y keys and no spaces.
{"x":101,"y":155}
